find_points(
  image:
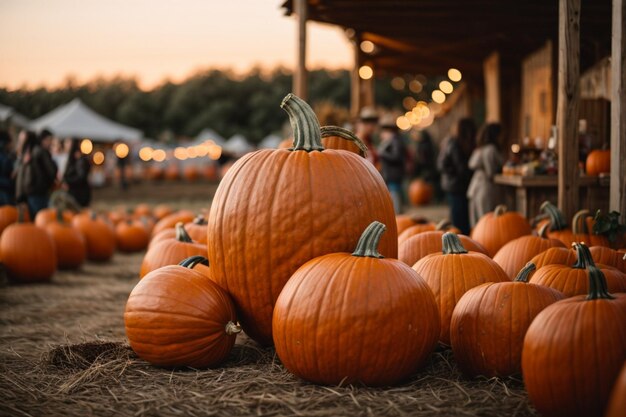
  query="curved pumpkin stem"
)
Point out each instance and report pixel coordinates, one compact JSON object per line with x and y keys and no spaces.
{"x":368,"y":242}
{"x":444,"y":224}
{"x":346,"y":134}
{"x":60,"y":218}
{"x":584,"y":258}
{"x":232,"y":328}
{"x":452,"y":244}
{"x":500,"y":210}
{"x":557,"y":222}
{"x":21,"y":209}
{"x":578,"y":222}
{"x":598,"y":289}
{"x":181,"y":233}
{"x":543,"y":231}
{"x":192,"y":261}
{"x":93,"y":216}
{"x":306,"y":128}
{"x":200,"y":220}
{"x":524,"y":274}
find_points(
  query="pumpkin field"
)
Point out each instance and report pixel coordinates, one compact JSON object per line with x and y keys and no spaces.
{"x":293,"y":288}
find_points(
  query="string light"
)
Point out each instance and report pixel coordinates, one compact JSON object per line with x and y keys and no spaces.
{"x":367,"y":47}
{"x":366,"y":72}
{"x":454,"y":75}
{"x":158,"y":155}
{"x":98,"y":158}
{"x":438,"y":96}
{"x":446,"y":87}
{"x":398,"y":83}
{"x":121,"y":150}
{"x":86,"y":146}
{"x":145,"y":153}
{"x":403,"y":123}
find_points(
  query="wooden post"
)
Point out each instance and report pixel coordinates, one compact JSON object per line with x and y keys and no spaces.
{"x":617,"y":199}
{"x":355,"y":81}
{"x":300,"y":74}
{"x":568,"y":96}
{"x":491,"y":72}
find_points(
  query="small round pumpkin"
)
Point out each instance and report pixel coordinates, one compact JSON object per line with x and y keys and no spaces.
{"x":161,"y":211}
{"x":171,"y":251}
{"x":169,"y":221}
{"x":141,"y":210}
{"x":335,"y":137}
{"x":49,"y":215}
{"x":131,"y":236}
{"x":362,"y":317}
{"x":598,"y":162}
{"x":608,"y":256}
{"x":99,"y":235}
{"x":556,"y":255}
{"x":490,"y":321}
{"x":71,"y":248}
{"x":420,"y":192}
{"x":453,"y":272}
{"x":27,"y":252}
{"x":9,"y":215}
{"x":176,"y":317}
{"x":197,"y":229}
{"x":418,"y":246}
{"x":573,"y":352}
{"x":499,"y":227}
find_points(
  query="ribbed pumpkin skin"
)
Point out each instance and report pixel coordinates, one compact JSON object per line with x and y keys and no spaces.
{"x":574,"y":281}
{"x":572,"y":354}
{"x":359,"y":318}
{"x":177,"y":317}
{"x":9,"y":215}
{"x":598,"y":161}
{"x":339,"y":143}
{"x":495,"y":230}
{"x":161,"y":236}
{"x":197,"y":232}
{"x":557,"y":255}
{"x":416,"y":229}
{"x":418,"y":246}
{"x":449,"y":276}
{"x":49,"y":215}
{"x":71,"y":249}
{"x":277,"y":209}
{"x":608,"y":256}
{"x":403,"y":222}
{"x":170,"y":220}
{"x":99,"y":236}
{"x":489,"y":323}
{"x":27,"y":253}
{"x":617,"y":403}
{"x":514,"y":255}
{"x":169,"y":252}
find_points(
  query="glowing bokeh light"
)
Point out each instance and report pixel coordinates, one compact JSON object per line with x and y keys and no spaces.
{"x":446,"y":87}
{"x":86,"y":146}
{"x":366,"y":72}
{"x":367,"y":47}
{"x":158,"y":155}
{"x":438,"y":96}
{"x":98,"y":158}
{"x":398,"y":83}
{"x":454,"y":75}
{"x":403,"y":123}
{"x":415,"y":86}
{"x":121,"y":150}
{"x":408,"y":103}
{"x":145,"y":153}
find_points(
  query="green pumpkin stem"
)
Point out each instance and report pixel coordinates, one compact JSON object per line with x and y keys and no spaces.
{"x":181,"y":233}
{"x":93,"y":215}
{"x":452,"y":244}
{"x":500,"y":210}
{"x":524,"y":274}
{"x":557,"y":221}
{"x":21,"y":209}
{"x":59,"y":213}
{"x":192,"y":261}
{"x":200,"y":220}
{"x":583,"y":255}
{"x":306,"y":128}
{"x":543,"y":231}
{"x":342,"y":133}
{"x":368,"y":242}
{"x":444,"y":224}
{"x":598,"y":289}
{"x":232,"y":328}
{"x":578,"y":222}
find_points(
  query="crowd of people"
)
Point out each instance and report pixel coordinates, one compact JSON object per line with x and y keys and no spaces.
{"x":34,"y":165}
{"x":463,"y":169}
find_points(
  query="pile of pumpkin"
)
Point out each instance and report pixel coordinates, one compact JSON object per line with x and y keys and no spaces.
{"x":60,"y":238}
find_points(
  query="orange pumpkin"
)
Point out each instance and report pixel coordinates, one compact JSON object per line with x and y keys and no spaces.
{"x":497,"y":228}
{"x":190,"y":173}
{"x":196,"y":324}
{"x":9,"y":215}
{"x":490,"y":321}
{"x":556,"y":255}
{"x":131,"y":236}
{"x":198,"y":263}
{"x":277,"y":209}
{"x":598,"y":162}
{"x":197,"y":229}
{"x":608,"y":256}
{"x":418,"y":246}
{"x":170,"y":220}
{"x":49,"y":215}
{"x":420,"y":192}
{"x":99,"y":235}
{"x":453,"y":272}
{"x":335,"y":137}
{"x":316,"y":311}
{"x":161,"y":211}
{"x":617,"y":403}
{"x":71,"y":249}
{"x":142,"y":210}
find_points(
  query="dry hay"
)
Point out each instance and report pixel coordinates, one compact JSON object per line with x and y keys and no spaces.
{"x":106,"y":378}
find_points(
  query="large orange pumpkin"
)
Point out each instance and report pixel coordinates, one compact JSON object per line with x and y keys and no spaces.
{"x":452,"y":272}
{"x":420,"y":192}
{"x":71,"y":248}
{"x":99,"y":235}
{"x":363,"y":318}
{"x":617,"y":403}
{"x":277,"y":209}
{"x":418,"y":246}
{"x":489,"y":323}
{"x":573,"y":352}
{"x":499,"y":227}
{"x":27,"y":252}
{"x":176,"y":317}
{"x":598,"y":162}
{"x":335,"y":137}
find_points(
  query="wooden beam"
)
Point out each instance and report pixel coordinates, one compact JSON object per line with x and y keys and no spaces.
{"x":491,"y":70}
{"x":568,"y":95}
{"x":617,"y":199}
{"x":300,"y":74}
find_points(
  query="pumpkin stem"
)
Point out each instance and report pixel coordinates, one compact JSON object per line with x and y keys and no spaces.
{"x":21,"y":209}
{"x":500,"y":210}
{"x":192,"y":261}
{"x":368,"y":242}
{"x":578,"y":222}
{"x":60,"y":215}
{"x":93,"y":215}
{"x":584,"y":258}
{"x":597,"y":285}
{"x":342,"y":133}
{"x":524,"y":273}
{"x":232,"y":328}
{"x":452,"y":244}
{"x":444,"y":224}
{"x":306,"y":128}
{"x":181,"y":233}
{"x":200,"y":220}
{"x":543,"y":231}
{"x":557,"y":222}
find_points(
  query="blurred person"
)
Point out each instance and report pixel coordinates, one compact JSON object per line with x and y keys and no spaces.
{"x":393,"y":154}
{"x":425,"y":157}
{"x":60,"y":152}
{"x":486,"y":161}
{"x":76,"y":175}
{"x":455,"y":172}
{"x":36,"y":172}
{"x":7,"y":162}
{"x":366,"y":127}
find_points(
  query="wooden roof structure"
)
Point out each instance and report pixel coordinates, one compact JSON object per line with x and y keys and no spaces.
{"x":430,"y":36}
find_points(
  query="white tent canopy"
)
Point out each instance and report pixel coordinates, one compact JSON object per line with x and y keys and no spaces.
{"x":209,"y":134}
{"x":8,"y":113}
{"x":75,"y":119}
{"x":270,"y":142}
{"x":238,"y":145}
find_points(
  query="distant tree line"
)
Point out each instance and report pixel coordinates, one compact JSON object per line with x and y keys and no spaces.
{"x":216,"y":99}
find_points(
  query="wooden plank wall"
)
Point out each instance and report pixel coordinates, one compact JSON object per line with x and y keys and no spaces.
{"x":537,"y":114}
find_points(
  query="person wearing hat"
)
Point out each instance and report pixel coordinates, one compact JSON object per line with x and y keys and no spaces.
{"x":365,"y":129}
{"x":7,"y":183}
{"x":392,"y":152}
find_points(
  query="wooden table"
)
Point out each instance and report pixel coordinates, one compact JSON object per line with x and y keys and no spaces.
{"x":526,"y":193}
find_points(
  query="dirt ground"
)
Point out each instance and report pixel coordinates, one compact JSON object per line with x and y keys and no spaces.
{"x":63,"y":352}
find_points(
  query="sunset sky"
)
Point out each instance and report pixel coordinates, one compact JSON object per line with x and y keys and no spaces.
{"x":42,"y":42}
